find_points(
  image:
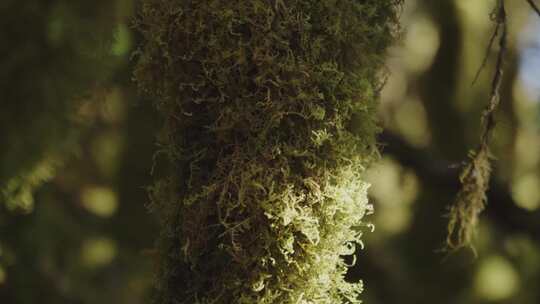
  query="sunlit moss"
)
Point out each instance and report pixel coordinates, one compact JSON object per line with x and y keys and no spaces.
{"x":496,"y":279}
{"x":269,"y":110}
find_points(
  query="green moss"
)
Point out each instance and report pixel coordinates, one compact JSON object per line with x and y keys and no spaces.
{"x":53,"y":54}
{"x":269,"y":110}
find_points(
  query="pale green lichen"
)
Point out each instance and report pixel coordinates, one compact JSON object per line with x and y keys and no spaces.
{"x":269,"y":111}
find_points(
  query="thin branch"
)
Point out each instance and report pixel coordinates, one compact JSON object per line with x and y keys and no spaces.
{"x":488,"y":51}
{"x":489,"y":112}
{"x":534,"y":7}
{"x":494,"y":99}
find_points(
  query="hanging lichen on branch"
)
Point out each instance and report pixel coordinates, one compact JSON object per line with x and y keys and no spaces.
{"x":269,"y":110}
{"x":471,"y":199}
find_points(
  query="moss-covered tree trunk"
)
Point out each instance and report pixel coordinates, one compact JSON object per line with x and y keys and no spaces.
{"x":269,"y":110}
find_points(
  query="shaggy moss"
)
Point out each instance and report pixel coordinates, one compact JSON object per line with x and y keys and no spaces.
{"x":269,"y":110}
{"x":53,"y":53}
{"x":470,"y":201}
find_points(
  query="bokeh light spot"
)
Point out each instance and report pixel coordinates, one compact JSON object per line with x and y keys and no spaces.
{"x":98,"y":252}
{"x":421,"y":42}
{"x":101,"y":201}
{"x":394,"y":190}
{"x":496,"y":279}
{"x":3,"y":276}
{"x":526,"y":192}
{"x":122,"y":41}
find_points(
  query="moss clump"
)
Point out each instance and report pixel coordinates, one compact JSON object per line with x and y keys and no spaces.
{"x":269,"y":110}
{"x":53,"y":53}
{"x":470,"y":201}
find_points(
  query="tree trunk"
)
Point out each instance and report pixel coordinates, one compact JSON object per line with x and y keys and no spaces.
{"x":269,"y":122}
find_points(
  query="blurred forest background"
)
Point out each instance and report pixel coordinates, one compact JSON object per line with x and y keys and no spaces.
{"x":85,"y":235}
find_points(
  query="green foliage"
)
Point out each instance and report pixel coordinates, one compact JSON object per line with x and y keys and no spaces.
{"x":269,"y":110}
{"x":53,"y":53}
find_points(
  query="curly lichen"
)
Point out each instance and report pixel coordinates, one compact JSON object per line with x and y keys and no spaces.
{"x":53,"y":54}
{"x":269,"y":110}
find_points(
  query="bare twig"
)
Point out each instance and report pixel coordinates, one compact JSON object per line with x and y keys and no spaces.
{"x":489,"y":113}
{"x":488,"y":51}
{"x":534,"y":7}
